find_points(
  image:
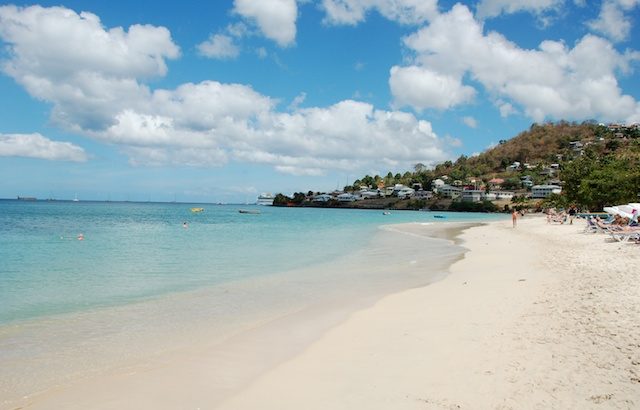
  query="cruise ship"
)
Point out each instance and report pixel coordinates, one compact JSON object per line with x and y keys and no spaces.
{"x":265,"y":199}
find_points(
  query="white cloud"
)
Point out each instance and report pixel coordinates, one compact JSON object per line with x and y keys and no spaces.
{"x":299,"y":99}
{"x":552,"y":81}
{"x":493,"y":8}
{"x":79,"y":40}
{"x":470,"y":122}
{"x":613,"y":20}
{"x":201,"y":124}
{"x":37,"y":146}
{"x":423,"y":88}
{"x":275,"y":18}
{"x":506,"y":109}
{"x":219,"y":46}
{"x":71,"y":60}
{"x":352,"y":12}
{"x":223,"y":45}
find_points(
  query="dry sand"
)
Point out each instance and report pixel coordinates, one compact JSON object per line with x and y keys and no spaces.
{"x":536,"y":317}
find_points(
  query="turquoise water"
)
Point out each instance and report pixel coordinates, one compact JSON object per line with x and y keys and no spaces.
{"x":140,"y":287}
{"x":136,"y":251}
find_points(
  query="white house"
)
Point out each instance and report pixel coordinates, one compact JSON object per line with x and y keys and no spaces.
{"x":490,"y":196}
{"x":422,"y":194}
{"x":477,"y":195}
{"x":436,"y":183}
{"x":543,"y":191}
{"x":369,"y":194}
{"x":402,"y":191}
{"x":472,"y":195}
{"x":514,"y":167}
{"x":503,"y":195}
{"x":449,"y":191}
{"x":346,"y":197}
{"x":322,"y":198}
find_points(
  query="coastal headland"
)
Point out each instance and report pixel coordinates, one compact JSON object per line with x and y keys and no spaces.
{"x":539,"y":316}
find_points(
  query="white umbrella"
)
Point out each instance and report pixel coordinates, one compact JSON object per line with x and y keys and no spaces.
{"x":624,"y":211}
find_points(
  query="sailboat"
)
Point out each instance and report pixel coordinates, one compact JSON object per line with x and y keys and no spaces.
{"x":75,"y":199}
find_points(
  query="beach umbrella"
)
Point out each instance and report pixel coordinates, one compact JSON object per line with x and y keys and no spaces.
{"x":624,"y":211}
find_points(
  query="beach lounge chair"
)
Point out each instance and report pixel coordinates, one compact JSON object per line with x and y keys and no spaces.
{"x":624,"y":235}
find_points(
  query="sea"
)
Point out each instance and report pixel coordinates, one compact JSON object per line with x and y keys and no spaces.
{"x":86,"y":287}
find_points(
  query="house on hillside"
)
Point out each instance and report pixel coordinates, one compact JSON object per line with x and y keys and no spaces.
{"x":496,"y":183}
{"x":477,"y":195}
{"x":504,"y":195}
{"x":346,"y":197}
{"x":543,"y":191}
{"x":513,"y":167}
{"x":422,"y":194}
{"x":369,"y":193}
{"x":472,"y":195}
{"x":322,"y":198}
{"x":449,"y":191}
{"x":436,"y":183}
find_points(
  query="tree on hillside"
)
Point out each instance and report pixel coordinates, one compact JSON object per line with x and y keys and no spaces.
{"x":601,"y":181}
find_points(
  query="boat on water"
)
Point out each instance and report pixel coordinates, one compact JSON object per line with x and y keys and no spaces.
{"x":249,"y":211}
{"x":197,"y":210}
{"x":439,"y":216}
{"x":265,"y":199}
{"x":26,"y":198}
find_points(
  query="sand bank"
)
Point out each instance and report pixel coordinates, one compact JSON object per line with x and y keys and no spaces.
{"x":535,"y":317}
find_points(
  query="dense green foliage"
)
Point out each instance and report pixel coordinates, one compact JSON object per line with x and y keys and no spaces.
{"x":283,"y":200}
{"x":597,"y":181}
{"x":467,"y":206}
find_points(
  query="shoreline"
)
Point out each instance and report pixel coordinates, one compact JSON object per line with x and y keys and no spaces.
{"x":535,"y":317}
{"x":257,"y":342}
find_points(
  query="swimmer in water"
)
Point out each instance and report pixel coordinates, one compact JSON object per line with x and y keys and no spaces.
{"x":184,"y":225}
{"x":80,"y":237}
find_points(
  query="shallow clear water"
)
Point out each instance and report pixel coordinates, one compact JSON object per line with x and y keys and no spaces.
{"x":141,"y":286}
{"x":133,"y":251}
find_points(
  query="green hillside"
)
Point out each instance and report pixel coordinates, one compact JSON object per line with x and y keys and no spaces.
{"x":597,"y":165}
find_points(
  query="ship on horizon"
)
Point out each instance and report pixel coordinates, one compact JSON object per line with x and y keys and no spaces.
{"x":265,"y":199}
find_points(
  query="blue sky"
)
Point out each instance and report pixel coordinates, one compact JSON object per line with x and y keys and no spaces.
{"x":216,"y":103}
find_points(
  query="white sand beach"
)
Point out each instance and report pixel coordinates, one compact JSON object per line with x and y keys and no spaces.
{"x":534,"y":317}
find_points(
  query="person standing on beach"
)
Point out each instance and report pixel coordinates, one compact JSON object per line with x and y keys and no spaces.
{"x":514,"y":218}
{"x":572,"y":214}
